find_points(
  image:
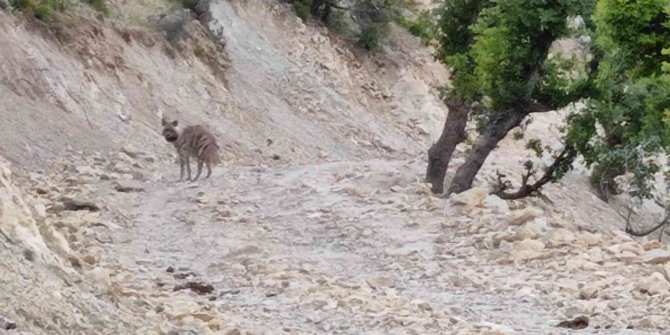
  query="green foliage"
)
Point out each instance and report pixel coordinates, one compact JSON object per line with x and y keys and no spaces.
{"x":98,"y":5}
{"x":627,"y":119}
{"x":511,"y":46}
{"x":22,"y":5}
{"x":367,"y":21}
{"x":634,"y":32}
{"x":456,"y":17}
{"x":422,"y":26}
{"x":373,"y":18}
{"x":369,"y":37}
{"x":499,"y":54}
{"x":40,"y":9}
{"x":337,"y":22}
{"x":302,"y":9}
{"x":498,"y":51}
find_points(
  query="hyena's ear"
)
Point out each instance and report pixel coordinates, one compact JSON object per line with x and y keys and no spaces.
{"x":175,"y":123}
{"x":163,"y":122}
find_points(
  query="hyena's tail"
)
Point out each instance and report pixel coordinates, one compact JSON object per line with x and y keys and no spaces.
{"x":211,"y":154}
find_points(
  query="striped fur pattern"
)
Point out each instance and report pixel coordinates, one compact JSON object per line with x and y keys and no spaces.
{"x":193,"y":141}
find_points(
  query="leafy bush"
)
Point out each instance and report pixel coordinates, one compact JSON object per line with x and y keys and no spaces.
{"x":302,"y":9}
{"x":422,"y":26}
{"x":369,"y":37}
{"x":337,"y":22}
{"x":22,"y":5}
{"x":373,"y":18}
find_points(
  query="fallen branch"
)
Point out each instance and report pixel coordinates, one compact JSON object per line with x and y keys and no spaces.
{"x":662,"y":225}
{"x":558,"y":167}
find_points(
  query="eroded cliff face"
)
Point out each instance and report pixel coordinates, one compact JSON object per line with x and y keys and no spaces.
{"x":317,"y":222}
{"x":90,"y":84}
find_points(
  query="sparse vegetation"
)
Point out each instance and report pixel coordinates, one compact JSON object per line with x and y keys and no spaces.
{"x":338,"y":22}
{"x":98,"y":5}
{"x":302,"y":9}
{"x":422,"y":26}
{"x":44,"y":9}
{"x":369,"y":37}
{"x":40,"y":9}
{"x":366,"y":21}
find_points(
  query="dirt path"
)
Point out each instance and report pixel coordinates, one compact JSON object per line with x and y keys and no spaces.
{"x":349,"y":243}
{"x":340,"y":248}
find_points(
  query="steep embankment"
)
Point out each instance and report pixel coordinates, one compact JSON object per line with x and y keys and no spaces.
{"x":293,"y":84}
{"x":318,"y":221}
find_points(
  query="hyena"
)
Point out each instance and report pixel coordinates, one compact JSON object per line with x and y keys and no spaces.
{"x":194,"y":141}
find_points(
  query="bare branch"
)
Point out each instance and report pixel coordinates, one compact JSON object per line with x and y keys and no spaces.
{"x":526,"y":189}
{"x":662,"y":224}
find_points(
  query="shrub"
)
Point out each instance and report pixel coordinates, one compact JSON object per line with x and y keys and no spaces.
{"x":22,"y":5}
{"x":369,"y":37}
{"x":40,"y":9}
{"x":337,"y":22}
{"x":422,"y":27}
{"x":302,"y":9}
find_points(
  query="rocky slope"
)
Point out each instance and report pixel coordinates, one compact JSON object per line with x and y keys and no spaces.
{"x":317,"y":222}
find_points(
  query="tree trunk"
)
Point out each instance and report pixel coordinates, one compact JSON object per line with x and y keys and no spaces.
{"x":495,"y":131}
{"x":316,"y":7}
{"x":440,"y":153}
{"x":325,"y":15}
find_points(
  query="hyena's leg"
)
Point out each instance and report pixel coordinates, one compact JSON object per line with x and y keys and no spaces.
{"x":188,"y":166}
{"x":181,"y":167}
{"x":197,"y":175}
{"x":209,"y":168}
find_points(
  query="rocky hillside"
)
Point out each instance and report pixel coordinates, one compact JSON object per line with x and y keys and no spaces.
{"x":317,"y":222}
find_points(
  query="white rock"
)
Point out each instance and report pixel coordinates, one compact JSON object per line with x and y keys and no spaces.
{"x":560,"y":237}
{"x":532,"y":230}
{"x":589,"y":291}
{"x":85,"y":170}
{"x":656,"y":256}
{"x":590,"y":238}
{"x":521,"y":216}
{"x":381,"y":282}
{"x":499,"y":206}
{"x":494,"y":329}
{"x":470,"y":198}
{"x":632,"y":247}
{"x":101,"y":277}
{"x":613,"y":304}
{"x":130,"y":151}
{"x":654,"y":284}
{"x":528,"y":244}
{"x":595,"y":255}
{"x":580,"y":264}
{"x":665,"y":270}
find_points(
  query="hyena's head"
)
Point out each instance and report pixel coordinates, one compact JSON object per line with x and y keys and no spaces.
{"x":169,"y":131}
